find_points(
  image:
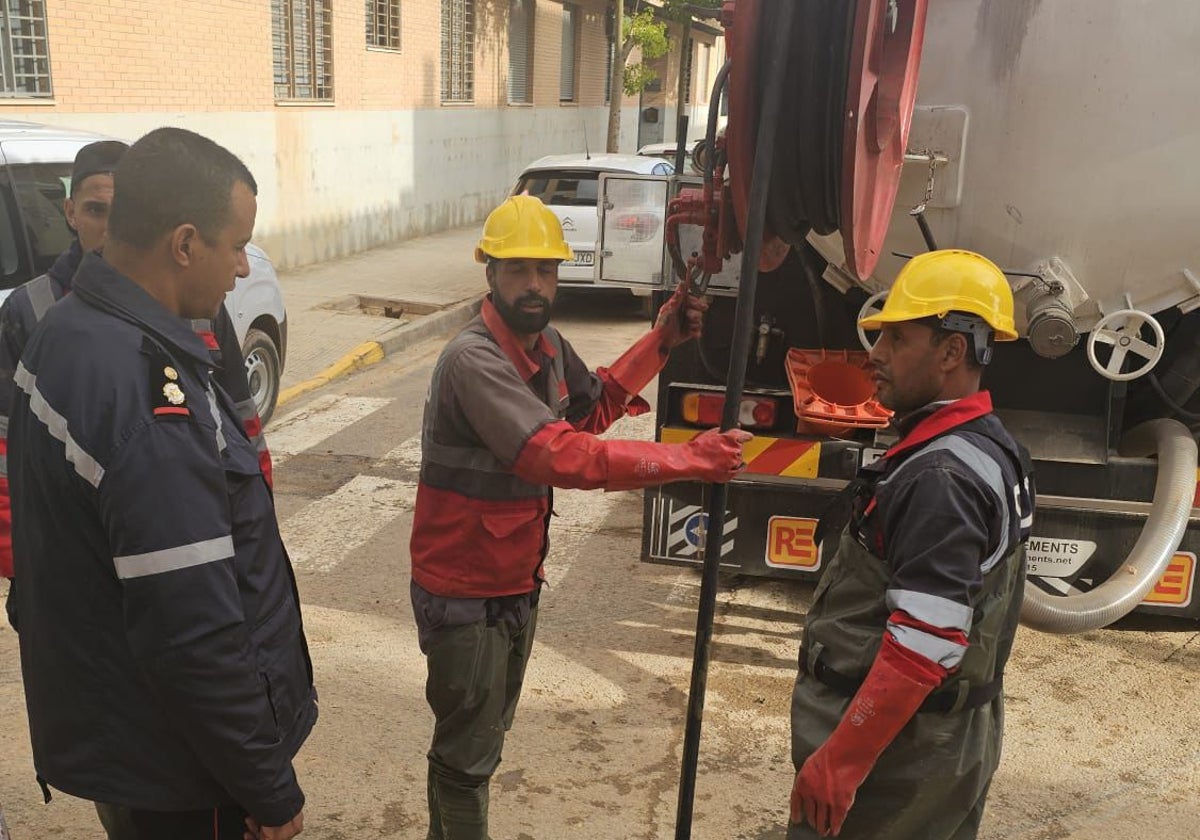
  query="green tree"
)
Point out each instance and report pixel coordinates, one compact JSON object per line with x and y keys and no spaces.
{"x":645,"y":28}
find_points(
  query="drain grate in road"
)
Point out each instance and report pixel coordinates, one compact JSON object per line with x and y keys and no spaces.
{"x":381,"y":307}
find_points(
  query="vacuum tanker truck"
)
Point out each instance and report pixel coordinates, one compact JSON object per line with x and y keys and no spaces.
{"x":1056,"y":137}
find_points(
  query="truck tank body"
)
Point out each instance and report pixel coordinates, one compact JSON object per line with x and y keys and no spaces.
{"x":1070,"y":134}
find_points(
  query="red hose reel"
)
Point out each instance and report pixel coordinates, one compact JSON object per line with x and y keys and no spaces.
{"x":879,"y":91}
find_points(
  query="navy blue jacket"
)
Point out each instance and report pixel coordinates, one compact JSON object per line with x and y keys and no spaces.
{"x":162,"y":647}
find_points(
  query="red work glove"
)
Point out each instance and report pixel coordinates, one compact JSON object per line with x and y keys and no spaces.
{"x":681,"y":318}
{"x":711,"y":456}
{"x":896,"y":686}
{"x":641,"y":363}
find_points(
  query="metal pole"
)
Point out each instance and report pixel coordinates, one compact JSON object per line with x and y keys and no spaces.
{"x":743,"y":337}
{"x":681,"y":150}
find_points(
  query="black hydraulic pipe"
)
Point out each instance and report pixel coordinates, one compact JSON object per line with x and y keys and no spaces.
{"x":926,"y":231}
{"x":714,"y":114}
{"x":739,"y":358}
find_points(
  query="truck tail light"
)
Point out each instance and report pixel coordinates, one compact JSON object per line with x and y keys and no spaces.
{"x":642,"y":226}
{"x":704,"y":408}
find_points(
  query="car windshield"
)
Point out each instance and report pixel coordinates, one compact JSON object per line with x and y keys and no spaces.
{"x":565,"y":188}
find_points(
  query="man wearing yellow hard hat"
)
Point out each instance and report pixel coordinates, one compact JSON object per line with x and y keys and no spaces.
{"x":897,"y":713}
{"x":512,"y":411}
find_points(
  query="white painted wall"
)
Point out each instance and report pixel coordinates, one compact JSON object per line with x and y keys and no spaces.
{"x":333,"y":182}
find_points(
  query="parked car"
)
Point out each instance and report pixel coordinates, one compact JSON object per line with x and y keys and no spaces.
{"x":569,"y":185}
{"x":37,"y":162}
{"x":666,"y":151}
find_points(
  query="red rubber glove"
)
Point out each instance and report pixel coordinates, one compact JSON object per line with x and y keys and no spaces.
{"x":642,"y":362}
{"x":711,"y":456}
{"x":896,"y":686}
{"x":681,"y":318}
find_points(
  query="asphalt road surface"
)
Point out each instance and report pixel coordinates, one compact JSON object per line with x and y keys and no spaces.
{"x":1103,"y":730}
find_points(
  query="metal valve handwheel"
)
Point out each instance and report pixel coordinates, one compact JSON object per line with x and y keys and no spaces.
{"x":872,"y":306}
{"x":1122,"y":331}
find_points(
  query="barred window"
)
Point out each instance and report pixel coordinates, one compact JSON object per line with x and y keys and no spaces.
{"x":383,"y":24}
{"x":302,"y":48}
{"x":24,"y":49}
{"x":570,"y":37}
{"x":458,"y":50}
{"x":520,"y":51}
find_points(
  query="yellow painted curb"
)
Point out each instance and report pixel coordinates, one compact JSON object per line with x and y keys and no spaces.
{"x":367,"y":353}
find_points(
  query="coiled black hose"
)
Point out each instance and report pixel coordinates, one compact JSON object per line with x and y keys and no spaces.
{"x":806,"y":182}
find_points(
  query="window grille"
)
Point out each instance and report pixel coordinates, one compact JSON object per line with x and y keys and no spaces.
{"x":383,"y":24}
{"x":570,"y":37}
{"x":458,"y":50}
{"x":302,"y":48}
{"x":520,"y":51}
{"x":24,"y":49}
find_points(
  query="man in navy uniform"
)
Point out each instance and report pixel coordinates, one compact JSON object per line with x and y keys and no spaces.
{"x":167,"y":677}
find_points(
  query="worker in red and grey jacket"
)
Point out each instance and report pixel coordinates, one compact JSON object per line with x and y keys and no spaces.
{"x":86,"y":209}
{"x":898,"y":709}
{"x":513,"y":411}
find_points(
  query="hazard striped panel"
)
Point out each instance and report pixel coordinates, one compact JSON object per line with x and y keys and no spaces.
{"x":1174,"y":588}
{"x":766,"y":455}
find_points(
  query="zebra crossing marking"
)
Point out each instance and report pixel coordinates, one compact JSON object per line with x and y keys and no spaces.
{"x":322,"y":533}
{"x":320,"y":419}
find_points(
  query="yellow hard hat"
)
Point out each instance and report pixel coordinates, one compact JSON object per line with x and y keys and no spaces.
{"x":522,"y":228}
{"x":940,"y":282}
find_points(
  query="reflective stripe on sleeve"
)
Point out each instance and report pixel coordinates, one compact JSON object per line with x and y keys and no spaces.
{"x":87,"y":466}
{"x":41,"y":296}
{"x":173,"y":559}
{"x":944,"y":652}
{"x":931,"y":609}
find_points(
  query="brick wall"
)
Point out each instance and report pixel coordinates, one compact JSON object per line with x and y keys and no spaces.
{"x":130,"y":55}
{"x":215,"y":55}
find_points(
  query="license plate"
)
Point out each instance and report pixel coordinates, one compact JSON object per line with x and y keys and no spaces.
{"x":584,"y":258}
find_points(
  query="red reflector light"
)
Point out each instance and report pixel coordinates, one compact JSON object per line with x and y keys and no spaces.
{"x":763,"y":412}
{"x":704,"y":408}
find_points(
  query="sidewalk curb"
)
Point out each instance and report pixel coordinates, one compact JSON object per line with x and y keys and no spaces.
{"x":373,"y":352}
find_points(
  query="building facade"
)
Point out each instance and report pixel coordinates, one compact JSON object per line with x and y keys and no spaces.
{"x":364,"y":121}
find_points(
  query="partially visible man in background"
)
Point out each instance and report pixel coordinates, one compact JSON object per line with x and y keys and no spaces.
{"x":86,"y":208}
